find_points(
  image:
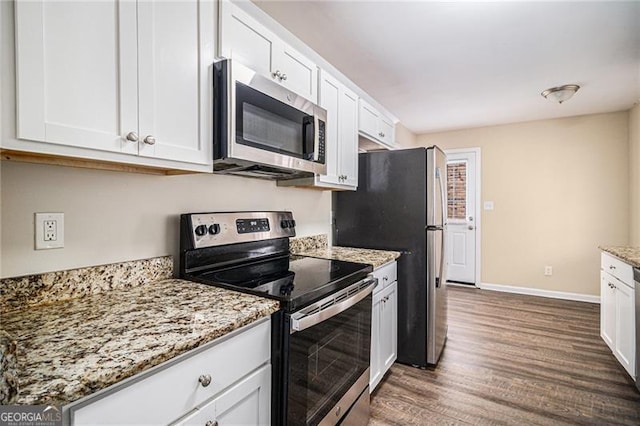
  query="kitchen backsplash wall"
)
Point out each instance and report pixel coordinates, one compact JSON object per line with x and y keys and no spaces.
{"x":115,"y":216}
{"x":634,"y":174}
{"x":560,"y":189}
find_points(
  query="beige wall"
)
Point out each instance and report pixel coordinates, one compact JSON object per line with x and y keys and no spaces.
{"x":115,"y":216}
{"x":560,"y":188}
{"x":634,"y":177}
{"x":405,"y":138}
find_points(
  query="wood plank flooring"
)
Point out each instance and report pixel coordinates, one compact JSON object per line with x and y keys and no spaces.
{"x":513,"y":360}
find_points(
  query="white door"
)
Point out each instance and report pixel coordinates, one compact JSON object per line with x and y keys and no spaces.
{"x":461,"y":216}
{"x":175,"y":41}
{"x":77,"y":73}
{"x":330,"y":100}
{"x":349,"y":137}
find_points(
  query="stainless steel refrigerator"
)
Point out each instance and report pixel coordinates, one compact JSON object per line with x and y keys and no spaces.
{"x":401,"y":205}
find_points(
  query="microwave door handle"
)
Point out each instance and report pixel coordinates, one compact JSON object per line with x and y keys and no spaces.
{"x":316,"y":138}
{"x":300,"y":321}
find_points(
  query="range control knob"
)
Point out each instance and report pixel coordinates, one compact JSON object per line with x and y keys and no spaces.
{"x":284,"y":224}
{"x":292,"y":223}
{"x":201,"y":230}
{"x":214,"y":229}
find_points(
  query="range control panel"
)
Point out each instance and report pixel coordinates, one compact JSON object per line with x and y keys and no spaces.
{"x":214,"y":229}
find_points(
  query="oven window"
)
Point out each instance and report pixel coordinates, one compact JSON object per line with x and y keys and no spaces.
{"x":326,"y":360}
{"x":266,"y":123}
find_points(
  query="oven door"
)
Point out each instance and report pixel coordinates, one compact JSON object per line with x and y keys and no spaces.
{"x":329,"y":356}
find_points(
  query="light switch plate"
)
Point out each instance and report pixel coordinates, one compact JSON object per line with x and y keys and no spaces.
{"x":488,"y":205}
{"x":49,"y":230}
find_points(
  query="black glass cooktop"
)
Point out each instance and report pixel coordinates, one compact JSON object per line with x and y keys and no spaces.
{"x":294,"y":280}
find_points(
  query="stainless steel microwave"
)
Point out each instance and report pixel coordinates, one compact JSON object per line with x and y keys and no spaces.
{"x":263,"y":130}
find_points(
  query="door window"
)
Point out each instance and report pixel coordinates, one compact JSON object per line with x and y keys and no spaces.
{"x":457,"y":190}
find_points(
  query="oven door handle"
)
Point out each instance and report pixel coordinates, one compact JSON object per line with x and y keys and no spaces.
{"x":304,"y":319}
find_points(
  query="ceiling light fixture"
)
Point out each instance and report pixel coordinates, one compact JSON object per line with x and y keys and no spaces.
{"x":562,"y":93}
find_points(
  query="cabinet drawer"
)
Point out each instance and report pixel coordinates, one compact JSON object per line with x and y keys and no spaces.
{"x":386,"y":275}
{"x":616,"y":267}
{"x":173,"y":389}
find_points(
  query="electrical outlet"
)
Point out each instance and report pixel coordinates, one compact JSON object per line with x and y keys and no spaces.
{"x":548,"y":271}
{"x":49,"y":230}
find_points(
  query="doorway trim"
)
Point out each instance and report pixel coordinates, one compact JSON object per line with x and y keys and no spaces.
{"x":478,"y":178}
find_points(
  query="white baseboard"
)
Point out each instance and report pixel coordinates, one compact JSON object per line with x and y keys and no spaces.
{"x":543,"y":293}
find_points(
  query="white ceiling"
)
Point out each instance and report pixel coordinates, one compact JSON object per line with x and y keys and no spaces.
{"x":443,"y":66}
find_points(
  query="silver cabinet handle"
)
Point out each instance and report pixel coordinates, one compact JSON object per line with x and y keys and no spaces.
{"x":385,"y":278}
{"x":150,"y":140}
{"x":470,"y":228}
{"x":205,"y":380}
{"x":283,"y":77}
{"x":132,"y":137}
{"x":612,"y":267}
{"x":211,"y":423}
{"x":276,"y":74}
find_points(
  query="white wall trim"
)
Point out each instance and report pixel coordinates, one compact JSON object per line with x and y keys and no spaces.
{"x":478,"y":213}
{"x":542,"y":293}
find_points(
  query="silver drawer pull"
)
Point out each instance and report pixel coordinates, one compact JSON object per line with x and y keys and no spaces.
{"x":211,"y":423}
{"x":385,"y":278}
{"x":612,"y":267}
{"x":205,"y":380}
{"x":150,"y":140}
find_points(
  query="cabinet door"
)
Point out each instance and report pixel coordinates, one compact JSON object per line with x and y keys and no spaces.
{"x":77,"y":73}
{"x":368,"y":119}
{"x":243,"y":39}
{"x":330,"y":100}
{"x":625,"y":333}
{"x":375,"y":373}
{"x":349,"y":137}
{"x":246,"y":403}
{"x":389,"y":327}
{"x":299,"y":73}
{"x":175,"y":40}
{"x":607,"y":309}
{"x":386,"y":131}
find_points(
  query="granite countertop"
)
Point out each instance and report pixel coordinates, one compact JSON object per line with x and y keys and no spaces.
{"x":316,"y":246}
{"x":56,"y":353}
{"x":630,"y":255}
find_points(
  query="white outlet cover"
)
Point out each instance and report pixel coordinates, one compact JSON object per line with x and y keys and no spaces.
{"x":488,"y":205}
{"x":40,"y":243}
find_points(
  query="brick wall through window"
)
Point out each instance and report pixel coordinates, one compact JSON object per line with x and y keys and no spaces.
{"x":457,"y":190}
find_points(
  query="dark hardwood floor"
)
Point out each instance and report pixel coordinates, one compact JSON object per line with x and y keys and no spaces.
{"x":513,"y":360}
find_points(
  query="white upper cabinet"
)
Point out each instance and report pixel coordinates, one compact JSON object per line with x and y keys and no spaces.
{"x":77,"y":73}
{"x":246,"y":40}
{"x":119,"y":77}
{"x":176,"y":48}
{"x":341,"y":138}
{"x":376,"y":126}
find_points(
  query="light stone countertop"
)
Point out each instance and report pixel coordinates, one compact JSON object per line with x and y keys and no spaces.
{"x":61,"y":351}
{"x":631,"y":255}
{"x":316,"y":246}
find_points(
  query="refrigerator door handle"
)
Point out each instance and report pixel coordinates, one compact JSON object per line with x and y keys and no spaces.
{"x":442,"y":242}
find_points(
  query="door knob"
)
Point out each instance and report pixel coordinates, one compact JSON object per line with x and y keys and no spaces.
{"x":132,"y":137}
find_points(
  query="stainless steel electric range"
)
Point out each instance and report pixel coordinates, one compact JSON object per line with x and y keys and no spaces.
{"x":320,"y":337}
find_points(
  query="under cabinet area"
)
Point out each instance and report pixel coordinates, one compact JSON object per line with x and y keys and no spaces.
{"x":114,"y":81}
{"x":384,"y":323}
{"x":246,"y":40}
{"x":227,"y":381}
{"x":617,"y":310}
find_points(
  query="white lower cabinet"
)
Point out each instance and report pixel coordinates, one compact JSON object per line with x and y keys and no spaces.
{"x":384,"y":324}
{"x":246,"y":403}
{"x":229,"y":382}
{"x":617,"y":311}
